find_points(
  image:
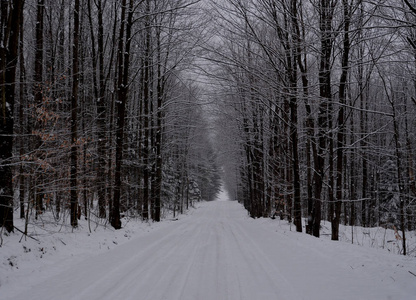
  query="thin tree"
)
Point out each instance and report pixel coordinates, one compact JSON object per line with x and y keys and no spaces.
{"x":347,"y":11}
{"x":74,"y":117}
{"x":38,"y":94}
{"x":293,"y":65}
{"x":22,"y":119}
{"x":147,"y":98}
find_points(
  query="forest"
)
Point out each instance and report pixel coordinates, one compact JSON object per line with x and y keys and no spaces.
{"x":303,"y":110}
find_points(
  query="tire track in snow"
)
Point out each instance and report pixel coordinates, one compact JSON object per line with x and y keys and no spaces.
{"x":149,"y":269}
{"x":158,"y":270}
{"x":261,"y":264}
{"x":110,"y":274}
{"x":217,"y":253}
{"x":200,"y":276}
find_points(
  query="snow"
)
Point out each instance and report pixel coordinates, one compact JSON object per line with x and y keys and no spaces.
{"x":214,"y":252}
{"x":223,"y":195}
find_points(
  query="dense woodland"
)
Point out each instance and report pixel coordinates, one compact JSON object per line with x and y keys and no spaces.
{"x":304,"y":109}
{"x":105,"y":122}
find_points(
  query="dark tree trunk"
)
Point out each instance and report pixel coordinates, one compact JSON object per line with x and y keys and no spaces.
{"x":123,"y":77}
{"x":363,"y":126}
{"x":158,"y":138}
{"x":297,"y":212}
{"x":400,"y":176}
{"x":147,"y":98}
{"x":326,"y":9}
{"x":352,"y":171}
{"x":38,"y":90}
{"x":364,"y":166}
{"x":11,"y":12}
{"x":341,"y":120}
{"x":100,"y":92}
{"x":310,"y":124}
{"x":74,"y":117}
{"x":114,"y":208}
{"x":120,"y":118}
{"x":22,"y":121}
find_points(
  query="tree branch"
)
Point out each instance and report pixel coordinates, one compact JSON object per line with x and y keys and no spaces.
{"x":413,"y":9}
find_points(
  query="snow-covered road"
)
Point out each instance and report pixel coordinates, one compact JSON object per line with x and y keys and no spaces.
{"x":218,"y":253}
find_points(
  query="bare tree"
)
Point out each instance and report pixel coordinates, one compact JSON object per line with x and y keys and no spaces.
{"x":347,"y":14}
{"x":123,"y":64}
{"x":74,"y":116}
{"x":11,"y":12}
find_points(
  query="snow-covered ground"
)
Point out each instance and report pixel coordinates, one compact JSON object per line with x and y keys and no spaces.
{"x":214,"y":252}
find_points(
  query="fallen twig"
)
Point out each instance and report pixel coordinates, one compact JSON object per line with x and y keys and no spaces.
{"x":26,"y":234}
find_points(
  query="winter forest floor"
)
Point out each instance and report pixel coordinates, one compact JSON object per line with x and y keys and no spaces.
{"x":214,"y":252}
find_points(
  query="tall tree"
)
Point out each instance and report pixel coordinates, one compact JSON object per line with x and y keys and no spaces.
{"x":325,"y":12}
{"x":147,"y":98}
{"x":22,"y":119}
{"x":123,"y":61}
{"x":102,"y":64}
{"x":294,"y":115}
{"x":74,"y":116}
{"x":11,"y":12}
{"x":38,"y":94}
{"x":347,"y":12}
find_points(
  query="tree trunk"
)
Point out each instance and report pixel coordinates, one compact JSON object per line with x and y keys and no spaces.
{"x":158,"y":138}
{"x":147,"y":98}
{"x":326,"y":9}
{"x":74,"y":118}
{"x":341,"y":120}
{"x":297,"y":207}
{"x":100,"y":92}
{"x":22,"y":120}
{"x":400,"y":176}
{"x":11,"y":12}
{"x":38,"y":93}
{"x":123,"y":77}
